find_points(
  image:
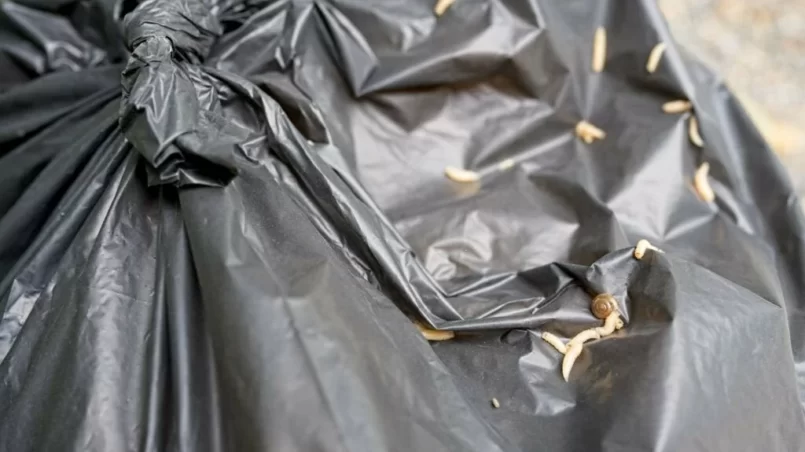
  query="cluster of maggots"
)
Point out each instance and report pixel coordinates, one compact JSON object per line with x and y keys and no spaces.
{"x":701,"y":182}
{"x":603,"y":307}
{"x":588,"y":132}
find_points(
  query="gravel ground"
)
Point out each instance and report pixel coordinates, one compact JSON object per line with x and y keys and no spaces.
{"x":759,"y":48}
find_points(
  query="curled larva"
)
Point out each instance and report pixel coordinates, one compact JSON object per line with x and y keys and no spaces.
{"x":434,"y":335}
{"x":676,"y":106}
{"x":589,"y":132}
{"x":610,"y":325}
{"x":555,"y":342}
{"x":506,"y":165}
{"x":642,"y":246}
{"x":654,"y":57}
{"x":584,"y":336}
{"x":573,"y":352}
{"x":599,"y":49}
{"x":702,"y":184}
{"x":441,"y":6}
{"x":461,"y":175}
{"x":693,"y":132}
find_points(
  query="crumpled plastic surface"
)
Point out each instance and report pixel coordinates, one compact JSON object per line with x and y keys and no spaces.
{"x":218,"y":220}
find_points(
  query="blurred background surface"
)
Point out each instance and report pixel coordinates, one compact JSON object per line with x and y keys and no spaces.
{"x":758,"y":46}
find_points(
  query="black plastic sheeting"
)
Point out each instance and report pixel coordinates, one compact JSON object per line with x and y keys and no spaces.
{"x":225,"y":248}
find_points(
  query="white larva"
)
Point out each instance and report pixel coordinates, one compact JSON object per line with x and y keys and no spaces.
{"x":555,"y":342}
{"x":441,"y":6}
{"x":573,"y":352}
{"x":586,"y":335}
{"x":495,"y":403}
{"x":693,"y":132}
{"x":610,"y":325}
{"x":595,"y":132}
{"x":642,"y":246}
{"x":676,"y":106}
{"x":702,"y":183}
{"x":434,"y":335}
{"x":589,"y":132}
{"x":599,"y":49}
{"x":575,"y":346}
{"x":461,"y":175}
{"x":654,"y":57}
{"x":506,"y":165}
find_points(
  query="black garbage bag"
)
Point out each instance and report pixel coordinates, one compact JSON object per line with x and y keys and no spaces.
{"x":219,"y":221}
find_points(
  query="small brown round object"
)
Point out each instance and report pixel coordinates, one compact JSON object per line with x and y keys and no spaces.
{"x":603,"y":305}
